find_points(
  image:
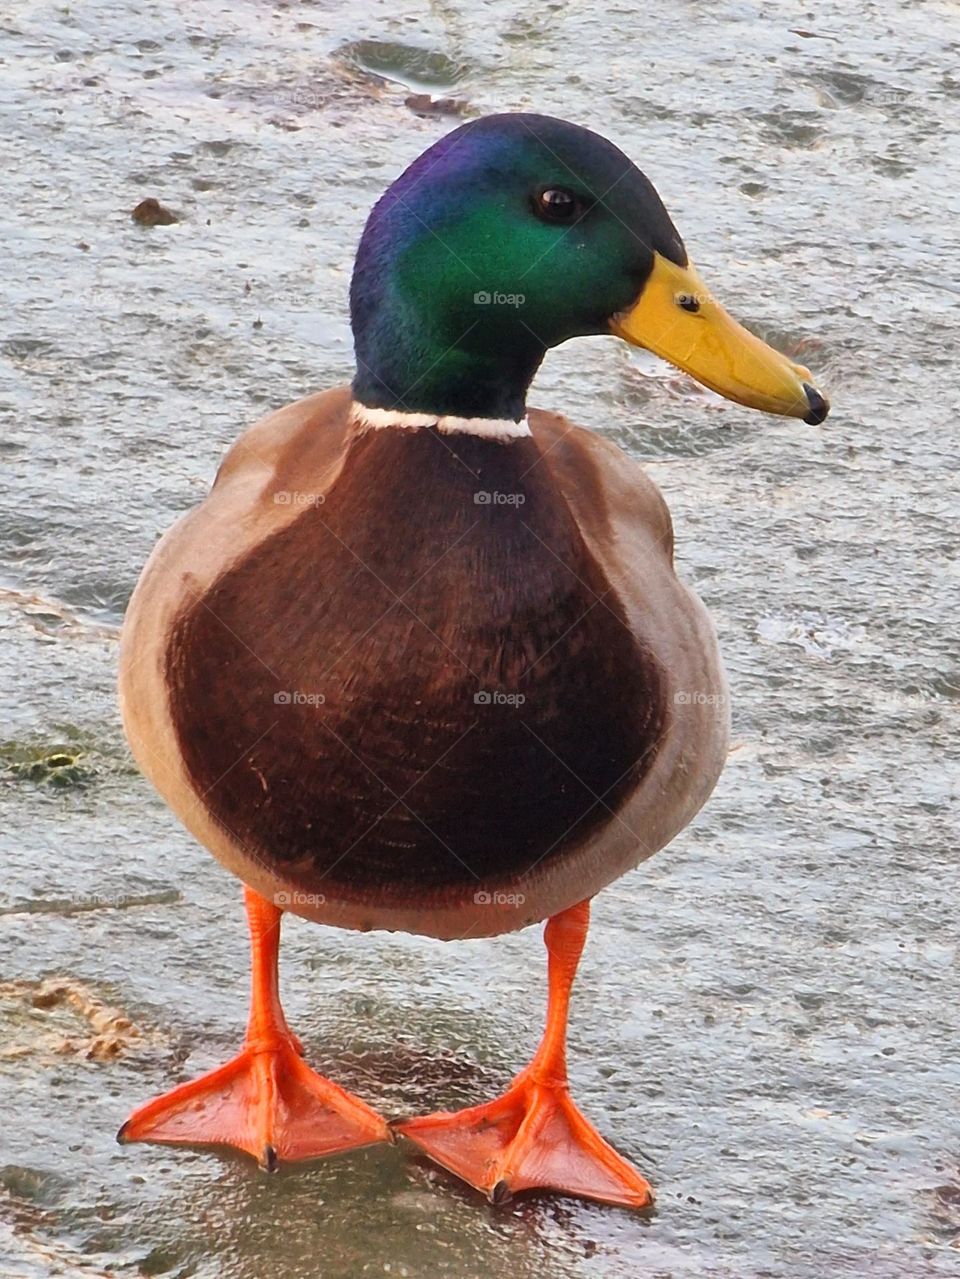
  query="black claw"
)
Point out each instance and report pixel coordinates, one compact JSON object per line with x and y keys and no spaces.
{"x":500,"y":1194}
{"x":269,"y":1161}
{"x":122,"y":1132}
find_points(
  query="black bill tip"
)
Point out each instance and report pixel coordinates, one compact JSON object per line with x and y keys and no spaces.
{"x":819,"y":405}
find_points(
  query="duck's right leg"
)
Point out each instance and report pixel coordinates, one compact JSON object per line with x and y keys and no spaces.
{"x":266,"y":1101}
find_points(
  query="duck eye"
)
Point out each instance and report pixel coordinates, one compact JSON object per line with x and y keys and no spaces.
{"x":688,"y":302}
{"x":555,"y":204}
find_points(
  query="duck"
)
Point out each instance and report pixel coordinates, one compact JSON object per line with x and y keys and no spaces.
{"x":420,"y":661}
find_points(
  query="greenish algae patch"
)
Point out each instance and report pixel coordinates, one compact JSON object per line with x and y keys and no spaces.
{"x":59,"y":765}
{"x":75,"y":758}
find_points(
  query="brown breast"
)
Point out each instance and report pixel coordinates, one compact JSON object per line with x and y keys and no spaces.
{"x":423,"y":683}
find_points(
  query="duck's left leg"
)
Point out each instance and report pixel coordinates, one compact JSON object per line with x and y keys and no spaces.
{"x":534,"y":1136}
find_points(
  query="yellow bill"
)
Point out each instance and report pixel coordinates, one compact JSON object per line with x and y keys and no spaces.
{"x":679,"y":320}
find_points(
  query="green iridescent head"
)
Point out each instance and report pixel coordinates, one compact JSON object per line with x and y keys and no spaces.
{"x":508,"y":236}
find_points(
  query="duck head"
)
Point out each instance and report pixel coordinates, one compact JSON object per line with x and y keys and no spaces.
{"x":514,"y":233}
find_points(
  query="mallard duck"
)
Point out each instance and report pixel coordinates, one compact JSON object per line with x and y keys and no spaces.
{"x":420,"y":660}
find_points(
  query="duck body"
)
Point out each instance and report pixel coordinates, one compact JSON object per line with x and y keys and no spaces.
{"x":420,"y":661}
{"x":431,"y":682}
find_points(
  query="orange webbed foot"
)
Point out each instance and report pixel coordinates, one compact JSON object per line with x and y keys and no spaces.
{"x":267,"y":1102}
{"x":533,"y":1137}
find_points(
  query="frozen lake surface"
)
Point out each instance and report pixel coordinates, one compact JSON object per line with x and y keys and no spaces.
{"x":766,"y":1018}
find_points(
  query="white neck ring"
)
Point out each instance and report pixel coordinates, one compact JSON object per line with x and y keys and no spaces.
{"x":488,"y":428}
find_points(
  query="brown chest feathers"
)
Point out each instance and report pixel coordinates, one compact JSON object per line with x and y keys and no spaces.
{"x":422,"y":684}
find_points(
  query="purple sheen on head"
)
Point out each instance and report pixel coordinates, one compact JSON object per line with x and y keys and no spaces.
{"x":463,"y":217}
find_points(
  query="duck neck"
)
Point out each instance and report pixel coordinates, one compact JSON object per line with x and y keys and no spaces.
{"x":411,"y":371}
{"x":426,"y":343}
